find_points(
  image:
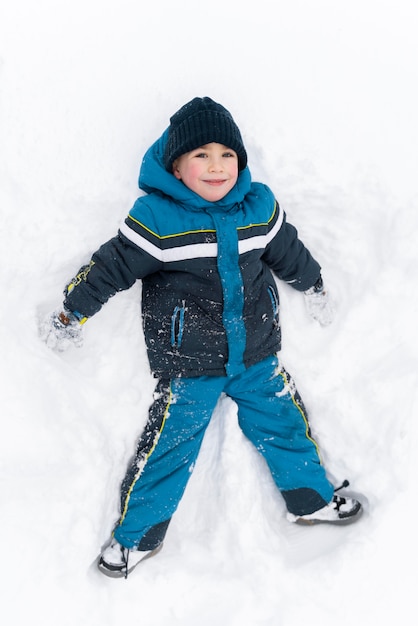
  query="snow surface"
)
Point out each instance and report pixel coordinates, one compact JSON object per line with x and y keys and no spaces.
{"x":325,"y":95}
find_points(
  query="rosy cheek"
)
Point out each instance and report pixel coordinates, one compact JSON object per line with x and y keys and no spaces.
{"x":194,"y":171}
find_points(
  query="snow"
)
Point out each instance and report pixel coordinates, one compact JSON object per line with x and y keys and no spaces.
{"x":325,"y":95}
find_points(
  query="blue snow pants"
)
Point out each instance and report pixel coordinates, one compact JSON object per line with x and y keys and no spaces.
{"x":270,"y":414}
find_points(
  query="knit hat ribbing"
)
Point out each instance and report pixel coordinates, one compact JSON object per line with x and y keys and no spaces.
{"x":199,"y":122}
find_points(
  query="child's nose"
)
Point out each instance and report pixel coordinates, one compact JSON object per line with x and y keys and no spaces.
{"x":215,"y":165}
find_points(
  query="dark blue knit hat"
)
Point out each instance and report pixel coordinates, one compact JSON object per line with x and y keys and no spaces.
{"x":199,"y":122}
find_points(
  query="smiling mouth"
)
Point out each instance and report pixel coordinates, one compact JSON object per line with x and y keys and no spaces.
{"x":216,"y":182}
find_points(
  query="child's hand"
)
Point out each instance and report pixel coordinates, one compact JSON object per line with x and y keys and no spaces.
{"x":60,"y":329}
{"x":319,"y":305}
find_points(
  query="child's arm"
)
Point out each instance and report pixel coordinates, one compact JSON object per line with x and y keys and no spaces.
{"x":289,"y":258}
{"x":113,"y":268}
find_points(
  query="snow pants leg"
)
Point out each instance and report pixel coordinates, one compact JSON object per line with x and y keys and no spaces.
{"x":166,"y":454}
{"x":270,"y":414}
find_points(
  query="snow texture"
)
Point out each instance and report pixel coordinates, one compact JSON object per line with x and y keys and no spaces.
{"x":325,"y":95}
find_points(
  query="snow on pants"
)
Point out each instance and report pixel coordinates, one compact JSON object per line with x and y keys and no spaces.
{"x":270,"y":414}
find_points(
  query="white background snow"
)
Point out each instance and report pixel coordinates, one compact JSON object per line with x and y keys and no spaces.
{"x":325,"y":95}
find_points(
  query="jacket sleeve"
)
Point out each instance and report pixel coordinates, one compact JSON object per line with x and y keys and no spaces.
{"x":290,"y":260}
{"x":113,"y":268}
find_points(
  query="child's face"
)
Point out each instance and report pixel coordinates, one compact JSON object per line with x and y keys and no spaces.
{"x":211,"y":171}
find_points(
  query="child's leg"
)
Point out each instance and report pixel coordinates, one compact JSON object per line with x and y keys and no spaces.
{"x":272,"y":416}
{"x":166,"y":453}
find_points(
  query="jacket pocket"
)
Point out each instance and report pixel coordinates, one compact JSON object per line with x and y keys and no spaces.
{"x":177,"y":325}
{"x":274,"y":304}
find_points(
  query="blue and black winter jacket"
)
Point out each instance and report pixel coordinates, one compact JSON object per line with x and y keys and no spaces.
{"x":210,"y":305}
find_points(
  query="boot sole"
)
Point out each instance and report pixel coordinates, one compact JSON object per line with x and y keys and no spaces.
{"x":342,"y":521}
{"x":116,"y":572}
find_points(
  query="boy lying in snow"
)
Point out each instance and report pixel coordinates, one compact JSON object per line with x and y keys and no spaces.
{"x":205,"y":241}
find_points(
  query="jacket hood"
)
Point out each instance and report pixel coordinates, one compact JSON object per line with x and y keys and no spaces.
{"x":154,"y":178}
